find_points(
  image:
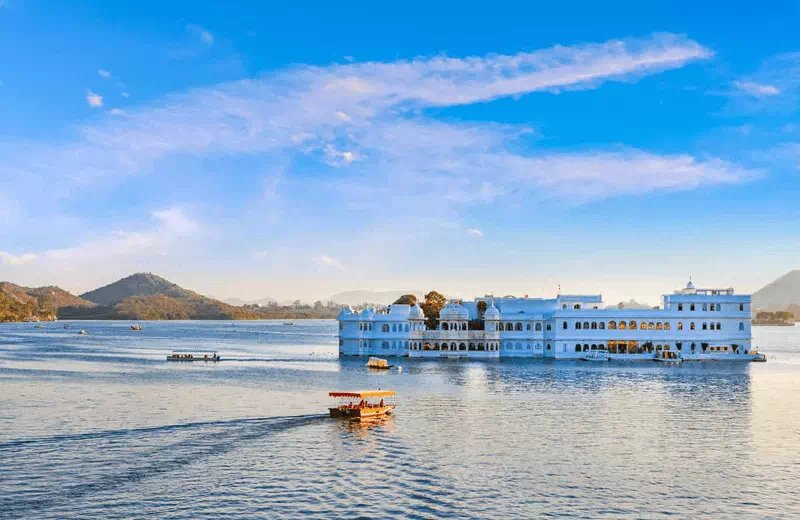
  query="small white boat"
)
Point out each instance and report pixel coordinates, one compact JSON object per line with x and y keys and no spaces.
{"x":82,"y":332}
{"x":759,"y":358}
{"x":597,"y":355}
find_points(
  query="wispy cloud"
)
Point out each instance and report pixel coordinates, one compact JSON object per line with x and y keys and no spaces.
{"x":103,"y":73}
{"x":326,"y":261}
{"x":757,"y":90}
{"x":476,"y":232}
{"x":201,"y":33}
{"x":8,"y":258}
{"x":94,"y":100}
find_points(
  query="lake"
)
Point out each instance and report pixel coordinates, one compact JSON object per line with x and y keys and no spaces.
{"x":101,"y":426}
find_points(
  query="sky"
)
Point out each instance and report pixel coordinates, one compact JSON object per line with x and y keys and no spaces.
{"x":298,"y":150}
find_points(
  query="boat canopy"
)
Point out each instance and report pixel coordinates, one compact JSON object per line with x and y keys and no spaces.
{"x":364,"y":394}
{"x":196,"y":351}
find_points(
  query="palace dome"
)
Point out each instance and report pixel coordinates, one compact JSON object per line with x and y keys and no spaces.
{"x":346,"y":311}
{"x":367,"y":313}
{"x":416,"y":313}
{"x":491,"y":313}
{"x":453,"y":311}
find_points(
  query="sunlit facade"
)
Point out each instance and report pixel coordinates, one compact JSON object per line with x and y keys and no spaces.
{"x":697,"y":323}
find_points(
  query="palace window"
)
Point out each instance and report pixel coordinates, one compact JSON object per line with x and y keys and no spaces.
{"x":406,"y":327}
{"x":577,"y":306}
{"x":658,"y":326}
{"x":445,"y":326}
{"x":509,"y":326}
{"x":666,"y":325}
{"x":586,"y":325}
{"x":741,"y":326}
{"x":741,"y":306}
{"x":594,"y":325}
{"x":602,"y":325}
{"x":623,"y":325}
{"x":705,"y":307}
{"x":680,"y":325}
{"x":632,"y":325}
{"x":578,"y":325}
{"x":650,"y":326}
{"x":680,"y":306}
{"x":713,"y":307}
{"x":578,"y":347}
{"x":643,"y":326}
{"x":705,"y":327}
{"x":549,"y":327}
{"x":612,"y":325}
{"x":691,"y":307}
{"x":528,"y":326}
{"x":691,"y":326}
{"x":385,"y":327}
{"x":538,"y":326}
{"x":518,"y":327}
{"x":564,"y":325}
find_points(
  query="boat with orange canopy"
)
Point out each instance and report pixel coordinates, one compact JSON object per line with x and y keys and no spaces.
{"x":366,"y":404}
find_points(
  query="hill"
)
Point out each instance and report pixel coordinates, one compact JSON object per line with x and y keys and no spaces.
{"x":380,"y":297}
{"x":18,"y":302}
{"x":779,"y":294}
{"x":633,"y":304}
{"x":139,"y":284}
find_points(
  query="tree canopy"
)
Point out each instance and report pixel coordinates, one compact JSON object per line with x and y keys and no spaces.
{"x":434,"y":301}
{"x":406,"y":299}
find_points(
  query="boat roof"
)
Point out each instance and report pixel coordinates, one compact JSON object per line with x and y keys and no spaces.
{"x":195,"y":351}
{"x":363,"y":394}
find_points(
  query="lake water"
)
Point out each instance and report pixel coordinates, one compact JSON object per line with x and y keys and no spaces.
{"x":101,"y":426}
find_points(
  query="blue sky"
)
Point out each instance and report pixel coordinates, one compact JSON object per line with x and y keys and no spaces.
{"x":297,"y":151}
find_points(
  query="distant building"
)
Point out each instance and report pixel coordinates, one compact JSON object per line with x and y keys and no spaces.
{"x":697,"y":323}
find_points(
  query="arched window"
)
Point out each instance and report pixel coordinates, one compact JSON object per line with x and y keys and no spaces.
{"x":643,"y":326}
{"x":578,"y":325}
{"x":528,"y":326}
{"x":705,"y":307}
{"x":518,"y":326}
{"x":586,"y":348}
{"x":564,"y":325}
{"x":585,"y":324}
{"x":385,"y":327}
{"x":509,"y":326}
{"x":612,"y":325}
{"x":691,"y":307}
{"x":632,"y":325}
{"x":705,"y":326}
{"x":602,"y":325}
{"x":658,"y":326}
{"x":472,"y":346}
{"x":680,"y":325}
{"x":426,"y":346}
{"x":539,"y":326}
{"x":594,"y":325}
{"x":549,"y":327}
{"x":594,"y":346}
{"x":691,"y":326}
{"x":623,"y":325}
{"x":462,"y":346}
{"x":452,"y":346}
{"x":578,"y":347}
{"x":666,"y":325}
{"x":741,"y":325}
{"x":719,"y":326}
{"x":651,"y":325}
{"x":406,"y":327}
{"x":445,"y":326}
{"x":577,"y":306}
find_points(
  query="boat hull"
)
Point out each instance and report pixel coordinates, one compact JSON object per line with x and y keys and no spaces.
{"x":360,"y":414}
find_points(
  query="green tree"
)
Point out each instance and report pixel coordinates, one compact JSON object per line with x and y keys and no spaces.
{"x":481,"y":309}
{"x":406,"y":299}
{"x":434,"y":301}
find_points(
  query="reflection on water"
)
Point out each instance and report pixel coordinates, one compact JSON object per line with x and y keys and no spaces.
{"x":101,"y":426}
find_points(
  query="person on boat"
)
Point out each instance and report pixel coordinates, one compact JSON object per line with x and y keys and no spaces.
{"x":381,"y":405}
{"x":361,"y":404}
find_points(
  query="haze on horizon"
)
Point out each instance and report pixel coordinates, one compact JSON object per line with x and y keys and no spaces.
{"x":250,"y":152}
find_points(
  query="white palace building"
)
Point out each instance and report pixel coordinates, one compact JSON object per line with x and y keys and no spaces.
{"x":695,"y":323}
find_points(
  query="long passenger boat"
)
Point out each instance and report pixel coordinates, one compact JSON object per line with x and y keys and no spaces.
{"x":193,"y":355}
{"x":346,"y":407}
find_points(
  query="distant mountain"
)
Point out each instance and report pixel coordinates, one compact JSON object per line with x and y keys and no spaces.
{"x":779,"y":294}
{"x":239,"y":302}
{"x":139,"y":284}
{"x":380,"y":297}
{"x":18,"y":302}
{"x":633,"y":304}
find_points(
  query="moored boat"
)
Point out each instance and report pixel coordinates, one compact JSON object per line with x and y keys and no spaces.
{"x":378,"y":363}
{"x":597,"y":355}
{"x":193,"y":355}
{"x":668,"y":356}
{"x":136,"y":327}
{"x":759,"y":358}
{"x":366,"y":408}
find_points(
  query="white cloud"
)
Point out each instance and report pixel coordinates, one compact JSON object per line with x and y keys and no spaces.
{"x":94,"y":100}
{"x":116,"y":112}
{"x":125,"y":94}
{"x":8,"y":258}
{"x":336,"y":157}
{"x":173,"y":219}
{"x":477,"y":232}
{"x":201,"y":33}
{"x":326,"y":261}
{"x":341,"y":115}
{"x":756,"y":89}
{"x":103,"y":73}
